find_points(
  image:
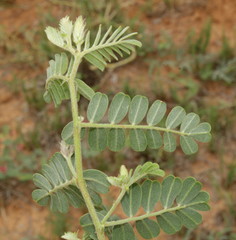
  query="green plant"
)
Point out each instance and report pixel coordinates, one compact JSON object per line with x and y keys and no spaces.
{"x":63,"y":181}
{"x":170,"y":4}
{"x":199,"y":44}
{"x":15,"y":162}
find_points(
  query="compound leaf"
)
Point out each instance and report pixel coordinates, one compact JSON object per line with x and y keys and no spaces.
{"x":105,"y":48}
{"x":57,"y":186}
{"x":146,"y":169}
{"x":142,"y":136}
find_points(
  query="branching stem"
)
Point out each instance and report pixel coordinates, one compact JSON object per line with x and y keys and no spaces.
{"x":121,"y":195}
{"x":115,"y":204}
{"x":78,"y":153}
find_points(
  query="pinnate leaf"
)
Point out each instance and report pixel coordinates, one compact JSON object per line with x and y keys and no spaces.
{"x":57,"y":186}
{"x":146,"y":169}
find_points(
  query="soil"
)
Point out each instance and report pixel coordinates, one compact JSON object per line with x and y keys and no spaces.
{"x":20,"y":217}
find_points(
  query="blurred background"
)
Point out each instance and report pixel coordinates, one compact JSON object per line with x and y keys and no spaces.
{"x":188,"y":58}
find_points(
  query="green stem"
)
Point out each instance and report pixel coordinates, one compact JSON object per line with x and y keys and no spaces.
{"x":78,"y":153}
{"x":126,"y":126}
{"x":154,"y":214}
{"x":115,"y":204}
{"x":70,"y":165}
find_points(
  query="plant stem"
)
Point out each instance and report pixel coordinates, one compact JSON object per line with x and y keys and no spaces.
{"x":78,"y":153}
{"x":154,"y":214}
{"x":115,"y":204}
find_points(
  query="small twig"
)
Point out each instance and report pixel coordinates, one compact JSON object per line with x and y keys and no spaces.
{"x":122,"y":62}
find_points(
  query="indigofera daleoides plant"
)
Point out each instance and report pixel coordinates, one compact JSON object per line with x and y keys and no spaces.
{"x":130,"y":122}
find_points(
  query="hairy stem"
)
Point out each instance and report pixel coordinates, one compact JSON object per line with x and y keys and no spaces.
{"x":78,"y":153}
{"x":115,"y":204}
